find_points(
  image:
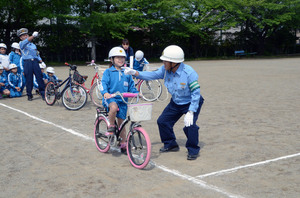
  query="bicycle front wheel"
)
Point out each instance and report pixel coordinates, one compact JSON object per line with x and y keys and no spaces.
{"x":50,"y":93}
{"x":151,"y":90}
{"x":96,"y":95}
{"x":74,"y":97}
{"x":101,"y":140}
{"x":138,"y":147}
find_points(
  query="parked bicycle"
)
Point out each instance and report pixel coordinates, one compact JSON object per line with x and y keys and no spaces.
{"x":149,"y":89}
{"x":137,"y":140}
{"x":94,"y":91}
{"x":73,"y":95}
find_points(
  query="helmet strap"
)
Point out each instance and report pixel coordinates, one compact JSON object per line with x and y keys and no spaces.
{"x":172,"y":68}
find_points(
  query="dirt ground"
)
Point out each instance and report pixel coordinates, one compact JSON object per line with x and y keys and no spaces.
{"x":249,"y":139}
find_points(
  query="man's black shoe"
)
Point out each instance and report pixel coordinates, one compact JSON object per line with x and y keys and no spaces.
{"x":29,"y":98}
{"x":192,"y":157}
{"x":170,"y":149}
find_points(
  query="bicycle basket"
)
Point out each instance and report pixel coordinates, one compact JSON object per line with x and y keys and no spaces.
{"x":140,"y":112}
{"x":78,"y":78}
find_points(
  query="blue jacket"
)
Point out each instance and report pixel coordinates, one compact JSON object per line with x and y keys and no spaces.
{"x":16,"y":58}
{"x":29,"y":50}
{"x":3,"y":79}
{"x":182,"y":85}
{"x":51,"y":79}
{"x":139,"y":65}
{"x":14,"y":80}
{"x":35,"y":84}
{"x":114,"y":80}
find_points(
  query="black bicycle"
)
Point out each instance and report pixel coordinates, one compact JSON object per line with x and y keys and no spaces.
{"x":73,"y":95}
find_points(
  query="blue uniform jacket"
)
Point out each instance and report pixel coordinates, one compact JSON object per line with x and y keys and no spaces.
{"x":29,"y":50}
{"x":16,"y":58}
{"x":139,"y":65}
{"x":35,"y":84}
{"x":3,"y":79}
{"x":14,"y":80}
{"x":114,"y":80}
{"x":182,"y":85}
{"x":51,"y":79}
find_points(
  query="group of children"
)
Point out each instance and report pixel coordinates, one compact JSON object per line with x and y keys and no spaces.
{"x":12,"y":79}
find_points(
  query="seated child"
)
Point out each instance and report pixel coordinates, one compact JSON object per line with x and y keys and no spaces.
{"x":114,"y":80}
{"x":50,"y":75}
{"x":45,"y":78}
{"x":3,"y":83}
{"x":14,"y":81}
{"x":139,"y":61}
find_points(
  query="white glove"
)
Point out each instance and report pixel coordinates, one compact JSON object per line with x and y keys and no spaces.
{"x":188,"y":118}
{"x":35,"y":34}
{"x":129,"y":71}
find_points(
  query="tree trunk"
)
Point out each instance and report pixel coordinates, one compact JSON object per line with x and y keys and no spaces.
{"x":93,"y":51}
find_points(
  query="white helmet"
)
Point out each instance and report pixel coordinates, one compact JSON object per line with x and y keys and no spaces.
{"x":15,"y":45}
{"x":1,"y":67}
{"x":50,"y":70}
{"x":11,"y":66}
{"x":42,"y":65}
{"x":173,"y":53}
{"x":139,"y":55}
{"x":2,"y":45}
{"x":116,"y":51}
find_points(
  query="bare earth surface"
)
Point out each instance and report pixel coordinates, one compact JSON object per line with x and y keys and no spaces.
{"x":249,"y":138}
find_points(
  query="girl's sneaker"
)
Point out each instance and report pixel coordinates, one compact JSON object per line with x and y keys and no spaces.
{"x":111,"y":129}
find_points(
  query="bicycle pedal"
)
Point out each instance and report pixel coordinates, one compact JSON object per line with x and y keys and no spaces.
{"x":112,"y":139}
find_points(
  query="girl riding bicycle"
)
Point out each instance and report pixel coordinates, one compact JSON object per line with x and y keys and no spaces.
{"x":114,"y":80}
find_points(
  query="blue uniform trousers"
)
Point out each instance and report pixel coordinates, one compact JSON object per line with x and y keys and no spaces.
{"x":31,"y":66}
{"x":167,"y":120}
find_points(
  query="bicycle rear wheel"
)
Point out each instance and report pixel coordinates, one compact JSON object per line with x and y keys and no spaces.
{"x":101,"y":140}
{"x":50,"y":93}
{"x":138,"y":148}
{"x":74,"y":97}
{"x":96,"y":95}
{"x":151,"y":90}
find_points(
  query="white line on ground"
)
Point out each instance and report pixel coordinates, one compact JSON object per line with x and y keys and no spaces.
{"x":47,"y":122}
{"x":174,"y":172}
{"x":222,"y":172}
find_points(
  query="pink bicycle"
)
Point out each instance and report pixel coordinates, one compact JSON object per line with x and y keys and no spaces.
{"x":138,"y":141}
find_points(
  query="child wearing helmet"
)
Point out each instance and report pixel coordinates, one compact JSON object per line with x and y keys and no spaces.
{"x":51,"y":75}
{"x":139,"y":61}
{"x":3,"y":83}
{"x":114,"y":80}
{"x":14,"y":81}
{"x":15,"y":56}
{"x":45,"y":78}
{"x":4,"y":58}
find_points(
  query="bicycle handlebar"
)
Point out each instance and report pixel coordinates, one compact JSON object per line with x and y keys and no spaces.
{"x":126,"y":95}
{"x":72,"y":67}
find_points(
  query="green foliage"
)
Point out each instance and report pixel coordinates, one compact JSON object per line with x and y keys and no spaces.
{"x":198,"y":26}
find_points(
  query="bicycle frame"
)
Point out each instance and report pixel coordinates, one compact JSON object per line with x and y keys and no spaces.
{"x":68,"y":84}
{"x":95,"y":77}
{"x":101,"y":111}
